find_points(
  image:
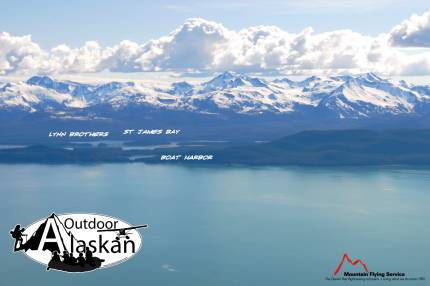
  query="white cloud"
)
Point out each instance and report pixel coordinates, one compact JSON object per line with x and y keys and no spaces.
{"x":192,"y":46}
{"x":204,"y":45}
{"x":414,"y":32}
{"x":18,"y":54}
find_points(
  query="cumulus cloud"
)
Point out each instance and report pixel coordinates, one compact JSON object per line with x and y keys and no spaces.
{"x":414,"y":32}
{"x":203,"y":45}
{"x":19,"y":54}
{"x":193,"y":45}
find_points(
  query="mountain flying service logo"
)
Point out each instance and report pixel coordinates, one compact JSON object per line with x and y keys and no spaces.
{"x":350,"y":269}
{"x":357,"y":262}
{"x":78,"y":242}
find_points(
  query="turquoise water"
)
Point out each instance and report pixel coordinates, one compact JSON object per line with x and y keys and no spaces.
{"x":229,"y":226}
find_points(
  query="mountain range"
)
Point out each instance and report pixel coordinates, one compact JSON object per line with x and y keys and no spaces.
{"x":233,"y":99}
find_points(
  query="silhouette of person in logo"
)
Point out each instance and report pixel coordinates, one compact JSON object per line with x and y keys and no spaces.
{"x":81,"y":259}
{"x":89,"y":256}
{"x":17,"y":233}
{"x":66,"y":257}
{"x":55,"y":256}
{"x":72,"y":260}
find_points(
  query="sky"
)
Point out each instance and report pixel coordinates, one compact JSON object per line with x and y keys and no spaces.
{"x":73,"y":22}
{"x":128,"y":36}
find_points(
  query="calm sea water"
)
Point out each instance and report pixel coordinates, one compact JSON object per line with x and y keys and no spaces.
{"x":229,"y":226}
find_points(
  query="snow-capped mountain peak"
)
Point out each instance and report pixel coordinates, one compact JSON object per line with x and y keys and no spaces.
{"x":181,"y":88}
{"x":232,"y":80}
{"x":346,"y":96}
{"x":49,"y":83}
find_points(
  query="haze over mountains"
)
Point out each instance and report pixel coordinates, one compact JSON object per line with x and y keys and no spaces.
{"x":346,"y":101}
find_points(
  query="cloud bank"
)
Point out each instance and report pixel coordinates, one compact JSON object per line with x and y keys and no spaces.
{"x":201,"y":45}
{"x":414,"y":32}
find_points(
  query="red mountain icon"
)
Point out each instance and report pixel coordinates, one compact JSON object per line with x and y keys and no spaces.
{"x":353,"y":263}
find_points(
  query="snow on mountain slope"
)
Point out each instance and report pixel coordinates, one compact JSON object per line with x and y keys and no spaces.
{"x":353,"y":99}
{"x":33,"y":98}
{"x":373,"y":96}
{"x":232,"y":80}
{"x":345,"y":96}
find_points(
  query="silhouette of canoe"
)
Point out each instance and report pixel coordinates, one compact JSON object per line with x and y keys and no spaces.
{"x":59,"y":265}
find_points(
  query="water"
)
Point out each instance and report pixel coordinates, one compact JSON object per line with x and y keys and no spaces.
{"x":229,"y":226}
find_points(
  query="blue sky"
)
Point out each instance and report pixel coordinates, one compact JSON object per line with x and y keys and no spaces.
{"x":73,"y":22}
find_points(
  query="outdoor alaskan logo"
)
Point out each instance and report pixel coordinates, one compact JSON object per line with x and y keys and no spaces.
{"x":78,"y":242}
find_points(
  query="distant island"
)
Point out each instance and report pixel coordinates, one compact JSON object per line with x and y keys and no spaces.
{"x":307,"y":148}
{"x":336,"y":147}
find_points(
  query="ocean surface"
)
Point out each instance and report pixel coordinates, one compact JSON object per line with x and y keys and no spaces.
{"x":229,"y":226}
